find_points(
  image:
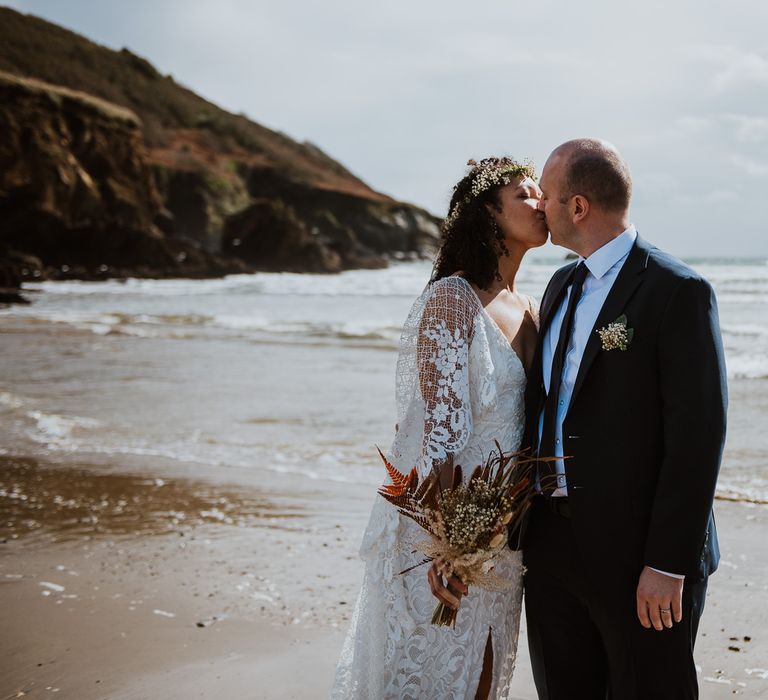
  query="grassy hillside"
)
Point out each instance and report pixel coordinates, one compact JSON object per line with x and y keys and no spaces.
{"x":32,"y":47}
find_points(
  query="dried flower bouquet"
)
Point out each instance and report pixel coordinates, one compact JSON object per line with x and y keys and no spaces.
{"x":467,"y":523}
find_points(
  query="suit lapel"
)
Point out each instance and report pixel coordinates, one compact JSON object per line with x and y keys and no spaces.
{"x":552,"y":299}
{"x":535,"y":386}
{"x":549,"y":303}
{"x":629,"y":278}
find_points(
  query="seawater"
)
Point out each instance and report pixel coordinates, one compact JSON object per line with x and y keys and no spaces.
{"x":283,"y":372}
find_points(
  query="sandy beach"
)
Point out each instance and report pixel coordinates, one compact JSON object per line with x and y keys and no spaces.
{"x":119,"y":586}
{"x":148,"y":586}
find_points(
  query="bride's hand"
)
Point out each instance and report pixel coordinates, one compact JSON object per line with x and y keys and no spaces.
{"x":441,"y":591}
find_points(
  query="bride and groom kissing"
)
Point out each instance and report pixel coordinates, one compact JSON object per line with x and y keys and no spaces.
{"x":619,"y":373}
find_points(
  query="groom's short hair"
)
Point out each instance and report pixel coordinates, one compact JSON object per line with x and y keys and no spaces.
{"x":596,"y":170}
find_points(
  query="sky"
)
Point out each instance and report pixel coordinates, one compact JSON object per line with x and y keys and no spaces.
{"x":403,"y":93}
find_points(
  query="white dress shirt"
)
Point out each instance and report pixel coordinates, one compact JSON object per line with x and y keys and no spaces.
{"x":603,"y":268}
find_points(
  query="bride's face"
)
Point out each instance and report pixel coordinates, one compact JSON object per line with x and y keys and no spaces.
{"x":518,"y":215}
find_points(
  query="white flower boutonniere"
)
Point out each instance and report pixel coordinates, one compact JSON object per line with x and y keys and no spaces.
{"x":616,"y":335}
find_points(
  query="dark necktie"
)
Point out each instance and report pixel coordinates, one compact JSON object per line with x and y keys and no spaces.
{"x":547,"y":442}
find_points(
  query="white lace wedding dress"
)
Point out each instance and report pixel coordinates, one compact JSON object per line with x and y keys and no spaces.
{"x":460,"y":387}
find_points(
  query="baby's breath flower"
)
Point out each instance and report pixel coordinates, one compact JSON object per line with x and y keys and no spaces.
{"x":616,"y":335}
{"x":491,"y":172}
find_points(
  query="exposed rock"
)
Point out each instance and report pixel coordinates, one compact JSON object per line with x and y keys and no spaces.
{"x":15,"y":267}
{"x":200,"y":189}
{"x":363,"y":232}
{"x":269,"y":235}
{"x":76,"y":190}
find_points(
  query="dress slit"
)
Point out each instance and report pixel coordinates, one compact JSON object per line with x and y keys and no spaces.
{"x":486,"y":677}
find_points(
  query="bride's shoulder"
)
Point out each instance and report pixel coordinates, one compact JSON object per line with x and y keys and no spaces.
{"x":453,"y":292}
{"x":450,"y":303}
{"x":533,"y":308}
{"x":457,"y":279}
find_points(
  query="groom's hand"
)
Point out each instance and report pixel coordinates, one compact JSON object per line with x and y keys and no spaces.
{"x":440,"y":591}
{"x":659,"y":599}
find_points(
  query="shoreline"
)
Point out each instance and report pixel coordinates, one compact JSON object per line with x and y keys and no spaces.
{"x":138,"y":585}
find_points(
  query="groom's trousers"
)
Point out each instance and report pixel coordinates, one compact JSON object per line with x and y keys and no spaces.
{"x":585,"y":640}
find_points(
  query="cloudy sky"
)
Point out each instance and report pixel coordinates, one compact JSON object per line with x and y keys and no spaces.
{"x":404,"y":92}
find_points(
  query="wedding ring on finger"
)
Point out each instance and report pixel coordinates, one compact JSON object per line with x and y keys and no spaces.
{"x":665,"y":610}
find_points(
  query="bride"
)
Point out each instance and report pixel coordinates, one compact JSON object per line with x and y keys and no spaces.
{"x":464,"y":351}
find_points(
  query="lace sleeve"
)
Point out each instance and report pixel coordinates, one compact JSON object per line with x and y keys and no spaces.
{"x":434,"y":410}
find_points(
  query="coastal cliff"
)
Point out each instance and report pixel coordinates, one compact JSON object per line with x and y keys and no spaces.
{"x":77,"y":195}
{"x":111,"y":169}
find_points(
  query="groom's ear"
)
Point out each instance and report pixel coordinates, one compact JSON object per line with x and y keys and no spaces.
{"x":580,"y":208}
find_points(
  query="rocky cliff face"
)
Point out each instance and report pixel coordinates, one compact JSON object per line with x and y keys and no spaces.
{"x":345,"y":230}
{"x":77,"y":192}
{"x":109,"y":168}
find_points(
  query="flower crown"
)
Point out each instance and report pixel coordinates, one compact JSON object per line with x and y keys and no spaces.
{"x":491,"y":172}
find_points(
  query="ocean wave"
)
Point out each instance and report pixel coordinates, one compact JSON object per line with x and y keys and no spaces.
{"x":149,"y":287}
{"x":183,"y":326}
{"x":335,"y":462}
{"x":400,"y":279}
{"x":748,"y":330}
{"x":744,"y":342}
{"x":756,"y":493}
{"x":742,"y":298}
{"x":746,"y":366}
{"x":57,"y":431}
{"x":11,"y":400}
{"x":733,"y":281}
{"x":53,"y":430}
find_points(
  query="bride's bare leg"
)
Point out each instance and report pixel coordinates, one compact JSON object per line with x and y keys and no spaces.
{"x":486,"y":677}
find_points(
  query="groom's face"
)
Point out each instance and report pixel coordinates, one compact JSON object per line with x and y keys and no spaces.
{"x":557,"y":215}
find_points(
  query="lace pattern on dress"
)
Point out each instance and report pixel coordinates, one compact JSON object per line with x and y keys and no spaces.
{"x":442,"y":363}
{"x":460,"y":387}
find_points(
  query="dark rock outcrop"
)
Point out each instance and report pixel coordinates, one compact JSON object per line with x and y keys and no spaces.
{"x":354,"y":227}
{"x":270,"y":234}
{"x":13,"y":267}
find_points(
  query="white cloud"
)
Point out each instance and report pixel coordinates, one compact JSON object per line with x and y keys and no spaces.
{"x":723,"y":196}
{"x":693,"y":124}
{"x":743,"y":69}
{"x":745,"y":128}
{"x":751,"y":167}
{"x":734,"y":67}
{"x":748,"y":129}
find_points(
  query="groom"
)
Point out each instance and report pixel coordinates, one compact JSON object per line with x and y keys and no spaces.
{"x":629,"y":383}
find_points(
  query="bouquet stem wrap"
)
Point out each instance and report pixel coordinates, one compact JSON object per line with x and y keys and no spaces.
{"x":444,"y":615}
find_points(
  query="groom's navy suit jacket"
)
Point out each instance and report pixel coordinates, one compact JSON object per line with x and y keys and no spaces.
{"x":645,"y":429}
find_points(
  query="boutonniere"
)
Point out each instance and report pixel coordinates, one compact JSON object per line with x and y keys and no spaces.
{"x":616,"y":335}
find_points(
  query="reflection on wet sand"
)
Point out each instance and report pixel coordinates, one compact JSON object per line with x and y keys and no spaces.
{"x":43,"y":501}
{"x":122,"y":586}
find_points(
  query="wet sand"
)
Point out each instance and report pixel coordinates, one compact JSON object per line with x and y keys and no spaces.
{"x":124,"y":586}
{"x":150,"y":586}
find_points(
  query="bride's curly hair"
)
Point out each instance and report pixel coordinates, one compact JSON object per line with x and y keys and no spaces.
{"x":471,"y":240}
